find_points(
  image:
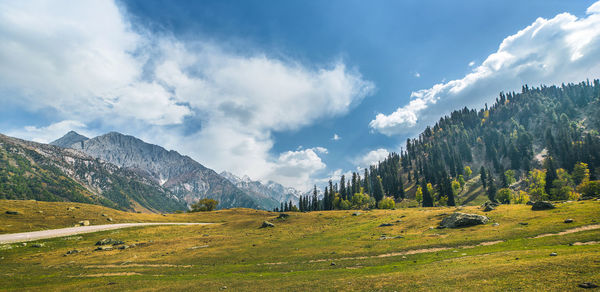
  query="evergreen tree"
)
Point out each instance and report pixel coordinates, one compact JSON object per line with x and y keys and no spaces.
{"x":427,"y":199}
{"x":483,"y":177}
{"x":491,"y":191}
{"x":378,"y":189}
{"x":315,"y":200}
{"x":550,"y":173}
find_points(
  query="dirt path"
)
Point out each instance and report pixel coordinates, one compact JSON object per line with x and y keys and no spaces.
{"x":44,"y":234}
{"x":572,"y":230}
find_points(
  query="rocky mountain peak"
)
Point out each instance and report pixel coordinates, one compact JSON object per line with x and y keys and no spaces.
{"x":69,"y":139}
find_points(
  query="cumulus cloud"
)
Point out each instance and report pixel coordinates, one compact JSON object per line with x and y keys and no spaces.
{"x":472,"y":63}
{"x":51,"y":132}
{"x":336,"y":137}
{"x":84,"y":61}
{"x":417,"y":74}
{"x":295,"y":168}
{"x":371,"y":157}
{"x":562,"y":49}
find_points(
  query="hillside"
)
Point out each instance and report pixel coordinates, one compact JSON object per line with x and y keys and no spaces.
{"x":331,"y":250}
{"x":543,"y":141}
{"x":43,"y":172}
{"x":181,"y":175}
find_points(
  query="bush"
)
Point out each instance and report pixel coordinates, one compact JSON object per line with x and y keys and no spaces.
{"x":387,"y":203}
{"x":589,"y":188}
{"x":520,"y":197}
{"x":205,"y":205}
{"x":503,"y":195}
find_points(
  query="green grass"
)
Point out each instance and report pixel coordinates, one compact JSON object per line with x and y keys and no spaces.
{"x":297,"y":253}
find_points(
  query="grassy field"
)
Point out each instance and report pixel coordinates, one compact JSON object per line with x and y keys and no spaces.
{"x":331,"y":250}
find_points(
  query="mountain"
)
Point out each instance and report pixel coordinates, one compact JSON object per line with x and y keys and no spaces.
{"x":44,"y":172}
{"x":181,"y":175}
{"x":269,"y":195}
{"x":541,"y":141}
{"x":69,"y":139}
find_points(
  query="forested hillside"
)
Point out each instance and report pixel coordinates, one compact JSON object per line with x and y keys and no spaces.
{"x":540,"y":144}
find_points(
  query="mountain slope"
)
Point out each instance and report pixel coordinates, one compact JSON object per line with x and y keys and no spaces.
{"x":184,"y":177}
{"x":269,"y":196}
{"x":69,"y":139}
{"x":37,"y":171}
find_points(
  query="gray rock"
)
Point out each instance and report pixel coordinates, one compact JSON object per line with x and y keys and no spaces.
{"x":463,"y":220}
{"x":107,"y":241}
{"x":523,"y":223}
{"x":123,"y":247}
{"x":13,"y":213}
{"x":72,"y":252}
{"x":332,"y":264}
{"x":37,"y":245}
{"x":356,"y":213}
{"x":488,"y":208}
{"x":587,"y":285}
{"x":104,"y":248}
{"x":386,"y":224}
{"x":104,"y":215}
{"x":568,"y":220}
{"x":496,"y":224}
{"x":542,"y":205}
{"x":84,"y":223}
{"x":109,"y":219}
{"x":553,"y":254}
{"x":283,"y":216}
{"x":266,"y":224}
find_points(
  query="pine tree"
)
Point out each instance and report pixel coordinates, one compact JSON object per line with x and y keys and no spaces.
{"x":315,"y":200}
{"x":483,"y":177}
{"x":377,"y":189}
{"x":550,"y":173}
{"x":427,"y":199}
{"x":491,"y":192}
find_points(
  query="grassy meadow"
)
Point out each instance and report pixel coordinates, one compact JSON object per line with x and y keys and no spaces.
{"x":329,"y":250}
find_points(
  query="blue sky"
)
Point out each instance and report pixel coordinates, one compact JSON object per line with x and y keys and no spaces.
{"x":262,"y":87}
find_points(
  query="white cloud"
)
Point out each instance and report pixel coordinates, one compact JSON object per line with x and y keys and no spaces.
{"x":51,"y":132}
{"x":417,"y":74}
{"x":472,"y":63}
{"x":295,"y":168}
{"x":84,"y":61}
{"x":371,"y":157}
{"x":336,"y":137}
{"x":549,"y":51}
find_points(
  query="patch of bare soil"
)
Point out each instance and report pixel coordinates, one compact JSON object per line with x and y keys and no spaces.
{"x":572,"y":230}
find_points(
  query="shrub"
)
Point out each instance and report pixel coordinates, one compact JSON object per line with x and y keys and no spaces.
{"x":503,"y":195}
{"x":204,"y":205}
{"x":386,"y":203}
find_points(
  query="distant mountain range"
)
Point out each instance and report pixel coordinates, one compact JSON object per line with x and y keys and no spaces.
{"x":124,"y":172}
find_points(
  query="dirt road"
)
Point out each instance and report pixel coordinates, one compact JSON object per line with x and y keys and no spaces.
{"x":43,"y":234}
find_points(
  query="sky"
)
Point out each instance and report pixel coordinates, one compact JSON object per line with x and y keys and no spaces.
{"x":292,"y":91}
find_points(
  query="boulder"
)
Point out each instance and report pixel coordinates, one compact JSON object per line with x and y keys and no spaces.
{"x":37,"y":245}
{"x":107,"y":241}
{"x":72,"y":252}
{"x":386,"y":224}
{"x":568,"y":220}
{"x":266,"y":224}
{"x":523,"y":223}
{"x":13,"y":212}
{"x":84,"y":223}
{"x":488,"y":208}
{"x":109,"y":219}
{"x":587,"y":285}
{"x":529,"y":203}
{"x":283,"y":216}
{"x":356,"y":213}
{"x":542,"y":205}
{"x":463,"y":220}
{"x":104,"y":248}
{"x":496,"y":224}
{"x":553,"y":254}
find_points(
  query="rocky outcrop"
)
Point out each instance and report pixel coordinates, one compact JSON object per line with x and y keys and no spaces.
{"x":463,"y":220}
{"x":542,"y":205}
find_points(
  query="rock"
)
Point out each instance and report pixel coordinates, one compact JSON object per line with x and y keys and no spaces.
{"x":332,"y":264}
{"x":356,"y":213}
{"x":109,"y":219}
{"x":463,"y":220}
{"x":107,"y":241}
{"x":529,"y":203}
{"x":266,"y":224}
{"x":488,"y":208}
{"x":490,"y":203}
{"x":123,"y":247}
{"x":568,"y":221}
{"x":383,"y":237}
{"x":84,"y":223}
{"x":38,"y":245}
{"x":23,"y":244}
{"x":104,"y":215}
{"x":386,"y":224}
{"x":13,"y":213}
{"x":70,"y":208}
{"x":553,"y":254}
{"x":40,"y":212}
{"x":496,"y":224}
{"x":283,"y":216}
{"x":72,"y":252}
{"x":104,"y":248}
{"x":587,"y":285}
{"x":542,"y":205}
{"x":523,"y":223}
